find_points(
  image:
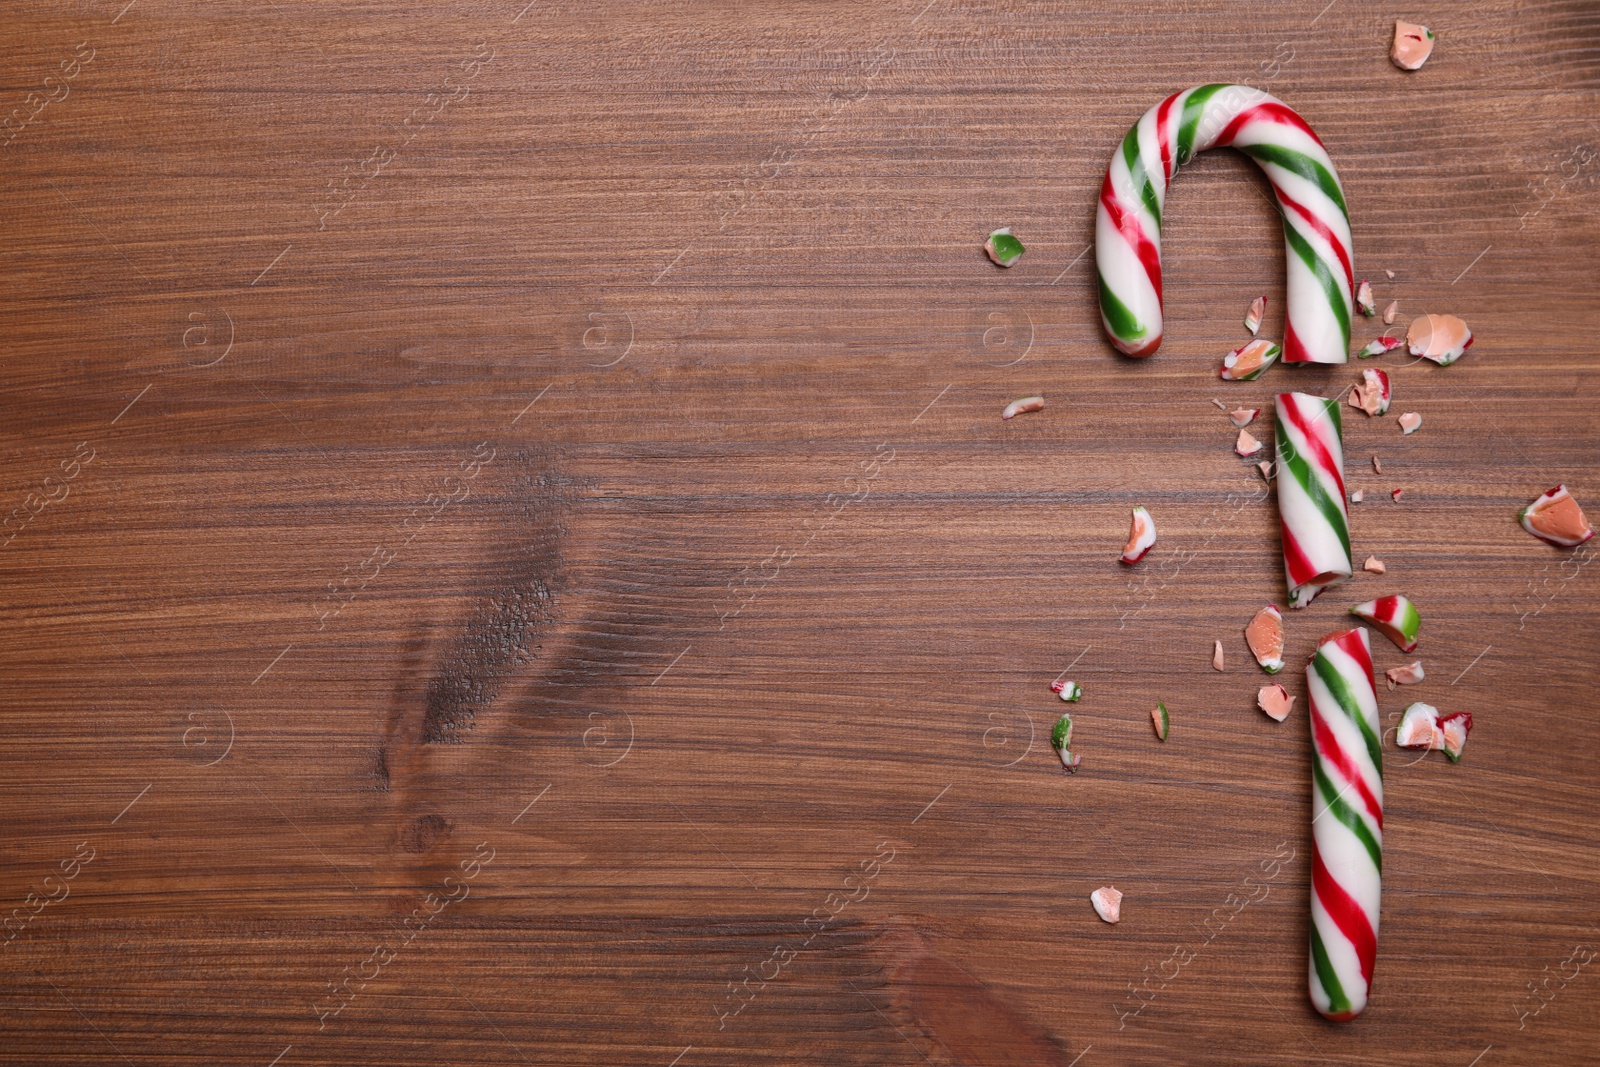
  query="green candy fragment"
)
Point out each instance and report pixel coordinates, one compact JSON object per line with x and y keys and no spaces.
{"x":1003,"y":247}
{"x":1061,"y":734}
{"x":1161,"y":720}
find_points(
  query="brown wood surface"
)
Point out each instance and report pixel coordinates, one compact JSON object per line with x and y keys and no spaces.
{"x":635,"y":393}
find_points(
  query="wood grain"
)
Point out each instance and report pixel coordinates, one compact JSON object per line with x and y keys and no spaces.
{"x":530,"y":545}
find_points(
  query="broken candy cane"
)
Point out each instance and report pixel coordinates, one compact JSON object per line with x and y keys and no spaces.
{"x":1346,"y":824}
{"x":1372,"y":394}
{"x":1316,"y":222}
{"x":1141,"y":536}
{"x":1107,"y":903}
{"x":1455,"y":727}
{"x":1161,"y":720}
{"x":1311,"y":496}
{"x":1395,"y":617}
{"x":1069,"y":691}
{"x":1264,"y":635}
{"x":1275,"y":701}
{"x":1410,"y":674}
{"x":1419,"y":728}
{"x":1556,"y":517}
{"x":1061,"y":740}
{"x":1252,"y":318}
{"x":1027,"y":403}
{"x":1441,"y":338}
{"x":1249,"y":361}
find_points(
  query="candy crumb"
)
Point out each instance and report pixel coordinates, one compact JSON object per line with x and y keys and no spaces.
{"x":1161,"y":720}
{"x":1216,"y":655}
{"x":1246,"y":445}
{"x":1275,"y":701}
{"x":1409,"y":423}
{"x":1410,"y":674}
{"x":1068,"y":690}
{"x":1003,"y":247}
{"x":1141,"y":536}
{"x":1379,"y":346}
{"x":1390,"y":312}
{"x":1397,"y":493}
{"x":1027,"y":403}
{"x":1376,"y":465}
{"x":1107,"y":903}
{"x":1265,"y":467}
{"x":1242,"y":417}
{"x":1252,"y":318}
{"x":1412,"y":46}
{"x":1357,"y":497}
{"x":1389,"y":274}
{"x":1374,"y":564}
{"x":1220,"y":405}
{"x":1364,"y":303}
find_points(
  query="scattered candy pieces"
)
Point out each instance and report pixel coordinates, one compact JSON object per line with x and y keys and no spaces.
{"x":1246,"y":445}
{"x":1379,"y":346}
{"x":1357,"y":497}
{"x":1364,"y":302}
{"x":1068,"y":690}
{"x":1265,"y":467}
{"x":1374,"y":564}
{"x":1107,"y":903}
{"x":1161,"y":720}
{"x":1220,"y":405}
{"x":1252,"y":318}
{"x":1003,"y":247}
{"x":1419,"y":728}
{"x":1390,"y":312}
{"x":1410,"y":422}
{"x":1242,"y":417}
{"x":1455,"y":727}
{"x":1027,"y":403}
{"x":1264,"y":635}
{"x":1441,"y":338}
{"x":1397,"y":493}
{"x":1556,"y":517}
{"x":1410,"y":674}
{"x":1372,"y":393}
{"x":1376,"y":465}
{"x":1395,"y":617}
{"x":1275,"y":701}
{"x":1061,"y":740}
{"x":1412,"y":46}
{"x":1216,"y":656}
{"x":1141,"y":536}
{"x":1250,"y":361}
{"x":1389,"y":274}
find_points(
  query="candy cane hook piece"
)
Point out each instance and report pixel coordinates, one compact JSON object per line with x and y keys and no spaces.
{"x":1316,"y":223}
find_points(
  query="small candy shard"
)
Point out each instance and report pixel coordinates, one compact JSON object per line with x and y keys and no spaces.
{"x":1141,"y":536}
{"x":1265,"y":467}
{"x":1027,"y":403}
{"x":1372,"y":393}
{"x":1364,"y":302}
{"x":1275,"y":701}
{"x":1410,"y":674}
{"x":1061,"y":739}
{"x":1419,"y":728}
{"x":1242,"y":417}
{"x":1555,"y":517}
{"x":1409,"y":423}
{"x":1389,"y":274}
{"x":1216,"y":656}
{"x":1220,"y":405}
{"x":1357,"y":497}
{"x":1395,"y":617}
{"x":1246,"y":445}
{"x":1390,"y":312}
{"x":1412,"y":46}
{"x":1068,"y":690}
{"x":1379,"y":346}
{"x":1252,"y":318}
{"x":1161,"y":720}
{"x":1107,"y":903}
{"x":1003,"y":247}
{"x":1376,"y":465}
{"x":1070,"y":762}
{"x":1441,"y":338}
{"x":1250,"y":361}
{"x":1264,"y":635}
{"x":1374,"y":564}
{"x":1455,"y":727}
{"x":1397,"y":493}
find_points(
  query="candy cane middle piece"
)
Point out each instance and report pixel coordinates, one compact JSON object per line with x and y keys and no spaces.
{"x":1316,"y":223}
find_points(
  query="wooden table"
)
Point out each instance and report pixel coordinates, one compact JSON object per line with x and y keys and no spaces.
{"x":517,"y":561}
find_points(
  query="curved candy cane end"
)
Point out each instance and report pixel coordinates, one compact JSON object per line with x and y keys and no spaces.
{"x":1134,"y":349}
